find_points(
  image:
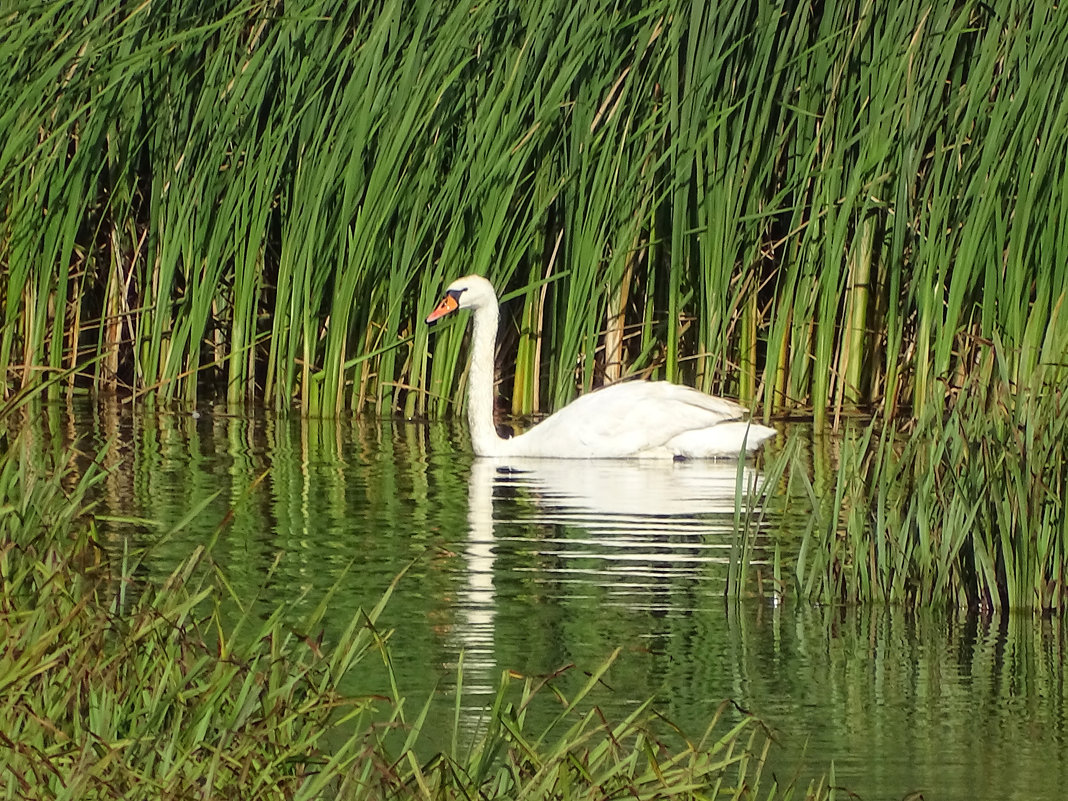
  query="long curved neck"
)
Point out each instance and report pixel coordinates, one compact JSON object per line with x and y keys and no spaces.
{"x":480,"y":394}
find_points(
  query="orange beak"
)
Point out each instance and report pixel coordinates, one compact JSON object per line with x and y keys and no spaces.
{"x":448,"y":305}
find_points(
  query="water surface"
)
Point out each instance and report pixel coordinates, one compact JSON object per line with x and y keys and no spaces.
{"x":530,"y":567}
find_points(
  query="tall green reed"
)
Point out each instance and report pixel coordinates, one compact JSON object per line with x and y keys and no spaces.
{"x":807,"y":207}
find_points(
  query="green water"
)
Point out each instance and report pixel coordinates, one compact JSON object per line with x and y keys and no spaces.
{"x":532,"y":568}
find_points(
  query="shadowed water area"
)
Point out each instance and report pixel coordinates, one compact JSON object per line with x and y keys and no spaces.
{"x":532,"y":567}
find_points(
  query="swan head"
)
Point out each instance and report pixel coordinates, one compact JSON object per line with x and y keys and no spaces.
{"x":469,"y":292}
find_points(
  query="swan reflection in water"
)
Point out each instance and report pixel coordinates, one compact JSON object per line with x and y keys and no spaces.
{"x":627,"y":526}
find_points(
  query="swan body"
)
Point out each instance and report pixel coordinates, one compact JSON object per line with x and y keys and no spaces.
{"x":633,"y":419}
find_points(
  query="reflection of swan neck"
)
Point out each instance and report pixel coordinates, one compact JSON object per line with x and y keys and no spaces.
{"x":484,"y":437}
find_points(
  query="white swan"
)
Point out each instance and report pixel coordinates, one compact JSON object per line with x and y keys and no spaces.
{"x":633,"y":419}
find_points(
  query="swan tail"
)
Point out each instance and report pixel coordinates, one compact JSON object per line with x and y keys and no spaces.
{"x":725,"y":440}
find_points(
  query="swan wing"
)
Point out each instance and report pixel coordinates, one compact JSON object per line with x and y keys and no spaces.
{"x":630,"y":419}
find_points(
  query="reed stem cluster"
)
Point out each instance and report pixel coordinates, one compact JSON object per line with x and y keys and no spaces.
{"x":809,"y":206}
{"x":965,"y":509}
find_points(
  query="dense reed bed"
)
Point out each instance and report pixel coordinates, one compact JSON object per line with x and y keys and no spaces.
{"x":807,"y":206}
{"x":966,"y":509}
